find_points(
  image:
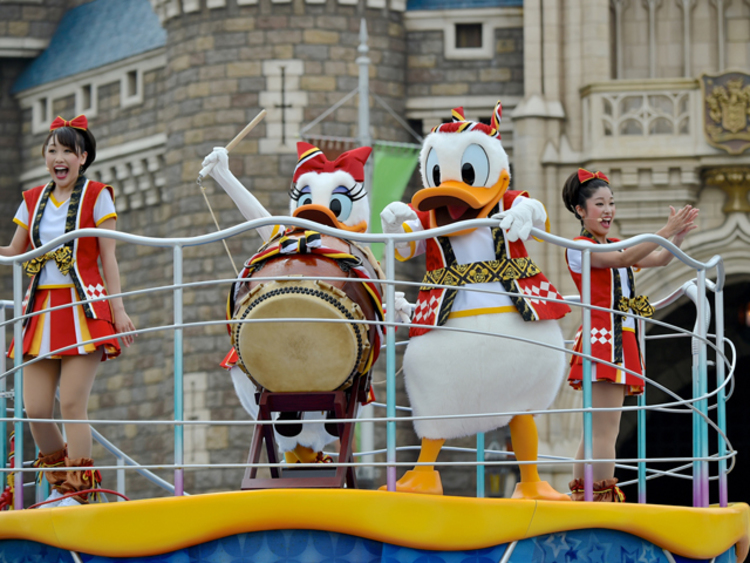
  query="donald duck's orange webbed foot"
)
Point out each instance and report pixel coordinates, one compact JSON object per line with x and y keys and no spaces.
{"x":418,"y":481}
{"x":537,"y":490}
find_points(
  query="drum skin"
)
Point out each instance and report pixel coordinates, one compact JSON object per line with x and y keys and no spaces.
{"x":322,"y":354}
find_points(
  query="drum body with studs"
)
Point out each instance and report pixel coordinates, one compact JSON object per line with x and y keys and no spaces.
{"x":294,"y":332}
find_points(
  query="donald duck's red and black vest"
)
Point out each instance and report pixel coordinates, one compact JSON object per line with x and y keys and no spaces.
{"x":513,"y":268}
{"x":78,"y":257}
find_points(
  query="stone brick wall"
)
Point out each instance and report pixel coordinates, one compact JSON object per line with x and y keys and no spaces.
{"x":10,"y":162}
{"x":24,"y":20}
{"x":431,"y":74}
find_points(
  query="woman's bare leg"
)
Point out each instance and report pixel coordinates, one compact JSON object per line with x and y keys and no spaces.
{"x":76,"y":380}
{"x":39,"y":385}
{"x":606,"y":427}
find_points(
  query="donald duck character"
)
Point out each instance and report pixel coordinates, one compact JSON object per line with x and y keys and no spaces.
{"x":329,"y":193}
{"x":481,"y":282}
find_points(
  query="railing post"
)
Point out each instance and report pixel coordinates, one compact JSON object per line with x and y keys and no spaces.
{"x":121,"y":477}
{"x":642,"y":419}
{"x":700,"y":387}
{"x":480,"y":465}
{"x":390,"y":355}
{"x":703,"y":383}
{"x":721,"y":407}
{"x":588,"y":449}
{"x":179,"y":472}
{"x":41,"y":487}
{"x":3,"y":401}
{"x":18,"y":383}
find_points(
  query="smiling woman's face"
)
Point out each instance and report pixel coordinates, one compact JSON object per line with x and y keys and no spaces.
{"x":63,"y":163}
{"x":599,"y":213}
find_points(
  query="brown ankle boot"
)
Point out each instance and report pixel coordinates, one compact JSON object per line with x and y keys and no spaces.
{"x":605,"y":490}
{"x":55,"y":459}
{"x":576,"y":489}
{"x":81,"y":480}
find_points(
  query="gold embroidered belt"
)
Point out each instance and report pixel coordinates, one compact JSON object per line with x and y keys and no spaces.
{"x":639,"y":305}
{"x":482,"y":272}
{"x":63,"y":256}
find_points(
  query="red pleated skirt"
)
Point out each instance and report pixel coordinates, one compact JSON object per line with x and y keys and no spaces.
{"x":66,"y":331}
{"x":601,"y":372}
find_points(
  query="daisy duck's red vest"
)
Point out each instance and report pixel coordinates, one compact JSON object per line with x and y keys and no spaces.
{"x":606,"y":327}
{"x":512,"y":268}
{"x":85,"y":251}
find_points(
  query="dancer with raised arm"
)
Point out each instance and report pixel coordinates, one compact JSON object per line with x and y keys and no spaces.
{"x":65,"y":275}
{"x":589,"y":197}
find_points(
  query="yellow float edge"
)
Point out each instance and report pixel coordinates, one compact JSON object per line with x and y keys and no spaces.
{"x":156,"y":526}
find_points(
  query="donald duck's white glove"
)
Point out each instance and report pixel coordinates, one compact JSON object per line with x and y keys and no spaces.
{"x":217,"y":165}
{"x":392,"y":219}
{"x":518,"y":220}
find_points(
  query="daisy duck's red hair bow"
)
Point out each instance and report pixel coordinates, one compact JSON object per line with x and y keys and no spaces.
{"x":79,"y":122}
{"x":584,"y":176}
{"x":312,"y":159}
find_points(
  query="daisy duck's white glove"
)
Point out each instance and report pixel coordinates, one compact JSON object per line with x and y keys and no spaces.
{"x":521,"y":217}
{"x":217,"y":165}
{"x":392,"y":219}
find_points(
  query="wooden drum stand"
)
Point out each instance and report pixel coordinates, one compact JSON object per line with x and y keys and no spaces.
{"x":343,"y":403}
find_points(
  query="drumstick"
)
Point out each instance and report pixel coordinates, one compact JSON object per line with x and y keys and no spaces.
{"x":202,"y":174}
{"x":241,"y":135}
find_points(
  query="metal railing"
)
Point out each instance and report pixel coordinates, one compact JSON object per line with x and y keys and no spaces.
{"x":698,"y":404}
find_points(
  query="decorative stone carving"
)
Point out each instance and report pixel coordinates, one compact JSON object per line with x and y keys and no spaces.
{"x":726,"y":108}
{"x":733,"y":181}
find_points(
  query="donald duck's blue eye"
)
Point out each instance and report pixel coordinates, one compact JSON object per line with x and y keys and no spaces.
{"x":432,"y":169}
{"x":304,"y":199}
{"x":475,"y":166}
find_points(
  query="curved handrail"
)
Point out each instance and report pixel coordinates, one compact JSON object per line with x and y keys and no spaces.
{"x":168,"y":242}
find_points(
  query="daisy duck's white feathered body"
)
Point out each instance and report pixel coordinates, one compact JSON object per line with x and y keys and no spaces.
{"x":449,"y":367}
{"x":330,"y":193}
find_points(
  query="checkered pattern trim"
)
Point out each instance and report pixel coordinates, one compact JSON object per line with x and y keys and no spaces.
{"x":95,"y":291}
{"x":601,"y":335}
{"x":545,"y":290}
{"x":426,"y":310}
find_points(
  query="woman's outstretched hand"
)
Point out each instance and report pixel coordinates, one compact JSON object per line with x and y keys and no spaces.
{"x":681,"y":222}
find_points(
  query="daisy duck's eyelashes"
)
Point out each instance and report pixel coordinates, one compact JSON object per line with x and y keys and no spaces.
{"x":358,"y":191}
{"x":355,"y":193}
{"x":294,"y":192}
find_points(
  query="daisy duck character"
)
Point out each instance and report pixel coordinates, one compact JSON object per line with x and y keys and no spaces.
{"x":487,"y":284}
{"x":329,"y":193}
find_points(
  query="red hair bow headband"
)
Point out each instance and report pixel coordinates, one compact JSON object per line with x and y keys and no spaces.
{"x":79,"y":122}
{"x":584,"y":176}
{"x":312,"y":159}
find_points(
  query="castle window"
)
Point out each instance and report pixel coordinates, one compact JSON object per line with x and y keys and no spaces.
{"x":131,"y":88}
{"x":42,"y":107}
{"x":40,"y":115}
{"x":86,"y":96}
{"x":468,"y":35}
{"x":132,"y":83}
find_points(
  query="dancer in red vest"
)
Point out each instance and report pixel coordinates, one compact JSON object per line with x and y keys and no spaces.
{"x":613,"y":339}
{"x":67,"y":274}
